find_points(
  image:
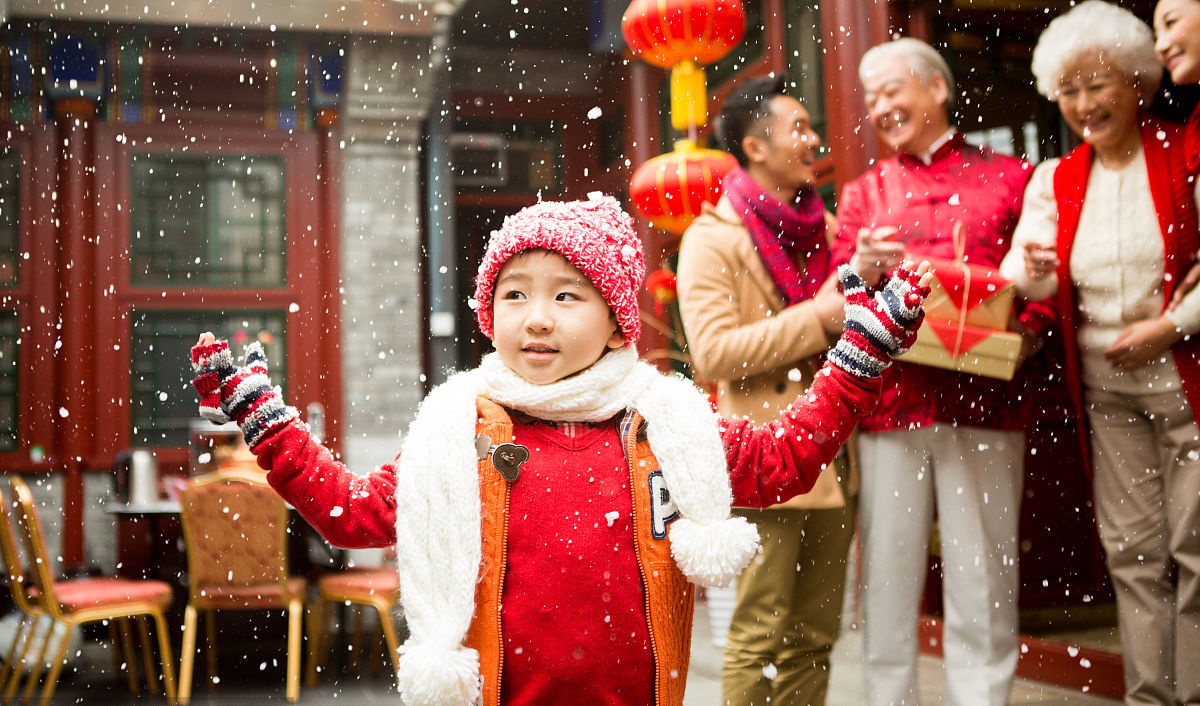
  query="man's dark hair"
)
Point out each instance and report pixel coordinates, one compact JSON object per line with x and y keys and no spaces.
{"x":744,"y":109}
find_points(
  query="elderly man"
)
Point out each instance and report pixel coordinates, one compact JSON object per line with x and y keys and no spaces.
{"x":938,"y":438}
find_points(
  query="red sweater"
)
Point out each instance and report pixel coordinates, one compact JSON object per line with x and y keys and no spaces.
{"x":573,"y":606}
{"x":964,"y":183}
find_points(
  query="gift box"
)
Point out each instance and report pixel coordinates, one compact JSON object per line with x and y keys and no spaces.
{"x":980,"y":351}
{"x":977,"y":295}
{"x":966,"y":322}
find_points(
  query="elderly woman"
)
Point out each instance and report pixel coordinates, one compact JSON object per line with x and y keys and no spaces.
{"x":1108,"y":230}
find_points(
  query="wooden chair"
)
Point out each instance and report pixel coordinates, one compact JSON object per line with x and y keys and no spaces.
{"x":26,"y":604}
{"x":235,"y":531}
{"x":76,"y":602}
{"x":367,"y":587}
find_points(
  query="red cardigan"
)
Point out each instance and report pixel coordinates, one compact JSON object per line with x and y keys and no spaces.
{"x":1175,"y":204}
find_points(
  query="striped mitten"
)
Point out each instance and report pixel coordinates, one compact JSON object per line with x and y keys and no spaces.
{"x":881,"y":327}
{"x":242,"y":394}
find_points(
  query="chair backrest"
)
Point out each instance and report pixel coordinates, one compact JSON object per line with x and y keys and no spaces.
{"x":30,"y":526}
{"x":14,"y":564}
{"x":235,"y":529}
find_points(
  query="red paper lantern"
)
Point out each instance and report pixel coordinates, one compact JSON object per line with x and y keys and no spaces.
{"x":671,"y":188}
{"x":668,"y":32}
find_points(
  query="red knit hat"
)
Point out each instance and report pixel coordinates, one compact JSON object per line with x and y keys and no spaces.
{"x":594,"y":235}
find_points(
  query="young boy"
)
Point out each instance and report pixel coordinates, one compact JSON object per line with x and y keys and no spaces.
{"x":552,"y":508}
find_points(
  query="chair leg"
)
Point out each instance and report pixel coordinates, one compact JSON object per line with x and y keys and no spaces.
{"x":147,"y":662}
{"x":187,"y":654}
{"x":164,"y":653}
{"x":390,"y":637}
{"x":295,"y":613}
{"x":114,"y":638}
{"x":356,"y":634}
{"x":210,"y":643}
{"x":126,"y":647}
{"x":38,"y":666}
{"x":55,"y":667}
{"x":316,"y":633}
{"x":10,"y":670}
{"x":23,"y":664}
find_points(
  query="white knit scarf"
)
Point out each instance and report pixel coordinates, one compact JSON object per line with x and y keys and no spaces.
{"x":438,"y":512}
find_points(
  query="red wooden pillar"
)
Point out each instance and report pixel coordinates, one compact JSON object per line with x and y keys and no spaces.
{"x":850,"y":28}
{"x":329,"y":183}
{"x":643,"y":143}
{"x":75,"y":358}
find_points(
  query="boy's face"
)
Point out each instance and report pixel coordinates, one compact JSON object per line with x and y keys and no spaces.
{"x":550,"y":320}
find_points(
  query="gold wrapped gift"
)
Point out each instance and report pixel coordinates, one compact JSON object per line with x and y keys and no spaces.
{"x":978,"y":296}
{"x":979,"y":351}
{"x":966,"y":322}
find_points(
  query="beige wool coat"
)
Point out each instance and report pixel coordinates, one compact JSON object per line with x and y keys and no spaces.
{"x":740,"y":335}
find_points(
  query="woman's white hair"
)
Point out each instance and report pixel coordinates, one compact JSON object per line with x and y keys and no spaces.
{"x":1093,"y":28}
{"x":924,"y":61}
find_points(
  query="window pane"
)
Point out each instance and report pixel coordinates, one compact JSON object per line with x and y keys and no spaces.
{"x":215,"y":221}
{"x":10,"y":216}
{"x":9,"y":331}
{"x":163,"y":400}
{"x":805,"y":73}
{"x":749,"y":50}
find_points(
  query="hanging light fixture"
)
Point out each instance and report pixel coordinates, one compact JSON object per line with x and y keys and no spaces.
{"x":670,"y":189}
{"x":681,"y":35}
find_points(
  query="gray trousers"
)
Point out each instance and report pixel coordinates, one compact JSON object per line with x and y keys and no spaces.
{"x":975,"y":477}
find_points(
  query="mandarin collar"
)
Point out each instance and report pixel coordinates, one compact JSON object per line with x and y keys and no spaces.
{"x":951,"y":141}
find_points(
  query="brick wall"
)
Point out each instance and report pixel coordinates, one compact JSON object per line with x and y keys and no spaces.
{"x":382,"y":321}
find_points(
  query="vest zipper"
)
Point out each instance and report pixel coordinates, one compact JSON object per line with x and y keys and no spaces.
{"x":630,"y":455}
{"x":499,"y":597}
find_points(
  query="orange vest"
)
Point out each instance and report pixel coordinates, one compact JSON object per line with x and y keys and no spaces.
{"x":669,"y":595}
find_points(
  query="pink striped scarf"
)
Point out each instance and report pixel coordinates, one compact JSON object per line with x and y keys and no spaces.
{"x":783,"y":235}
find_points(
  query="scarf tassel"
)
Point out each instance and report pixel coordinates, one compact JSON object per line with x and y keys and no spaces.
{"x":713,"y":554}
{"x":434,"y":676}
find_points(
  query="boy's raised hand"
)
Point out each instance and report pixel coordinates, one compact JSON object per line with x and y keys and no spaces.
{"x":241,"y":394}
{"x":881,"y":327}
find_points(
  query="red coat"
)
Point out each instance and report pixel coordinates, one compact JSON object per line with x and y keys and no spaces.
{"x":985,"y":191}
{"x":767,"y":464}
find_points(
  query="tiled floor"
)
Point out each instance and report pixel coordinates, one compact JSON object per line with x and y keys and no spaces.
{"x":253,"y":674}
{"x":846,"y":686}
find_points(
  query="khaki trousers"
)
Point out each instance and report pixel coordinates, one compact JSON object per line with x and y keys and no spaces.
{"x":788,"y":609}
{"x":1146,"y":455}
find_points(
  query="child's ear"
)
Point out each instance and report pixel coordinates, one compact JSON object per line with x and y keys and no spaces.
{"x":617,"y":339}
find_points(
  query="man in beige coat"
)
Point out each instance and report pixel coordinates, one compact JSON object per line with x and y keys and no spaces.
{"x":759,"y":308}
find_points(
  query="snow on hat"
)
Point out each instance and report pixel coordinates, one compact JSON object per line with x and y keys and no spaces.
{"x":595,"y":235}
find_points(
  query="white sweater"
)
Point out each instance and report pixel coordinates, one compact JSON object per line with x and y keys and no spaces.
{"x":1116,"y":267}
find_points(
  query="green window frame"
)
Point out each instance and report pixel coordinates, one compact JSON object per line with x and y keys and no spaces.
{"x":752,"y":48}
{"x":207,"y":220}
